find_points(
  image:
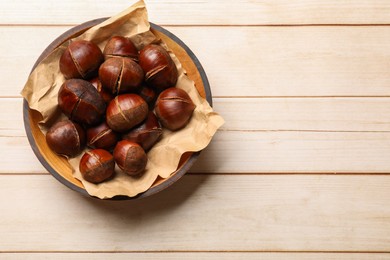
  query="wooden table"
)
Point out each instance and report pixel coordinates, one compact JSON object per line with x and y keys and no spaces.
{"x":299,"y":170}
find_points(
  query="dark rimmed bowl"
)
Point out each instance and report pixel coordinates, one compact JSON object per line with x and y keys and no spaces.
{"x":60,"y":168}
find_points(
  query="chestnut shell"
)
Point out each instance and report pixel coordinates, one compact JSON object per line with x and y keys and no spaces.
{"x":97,"y":165}
{"x":104,"y":93}
{"x":174,"y":108}
{"x":66,"y":138}
{"x":119,"y":46}
{"x":149,"y":95}
{"x":147,"y":133}
{"x":160,"y":70}
{"x":102,"y":136}
{"x":81,"y":59}
{"x":81,"y":102}
{"x":130,"y":157}
{"x":121,"y":75}
{"x":126,"y":111}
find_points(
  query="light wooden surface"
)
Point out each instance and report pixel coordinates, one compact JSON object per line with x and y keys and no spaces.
{"x":299,"y":170}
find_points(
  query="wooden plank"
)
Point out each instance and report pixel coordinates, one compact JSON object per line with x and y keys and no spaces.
{"x":202,"y":213}
{"x":261,"y":135}
{"x":204,"y":12}
{"x":304,"y":114}
{"x":282,"y":61}
{"x":256,"y":152}
{"x":265,"y":114}
{"x":196,"y":256}
{"x":296,"y":152}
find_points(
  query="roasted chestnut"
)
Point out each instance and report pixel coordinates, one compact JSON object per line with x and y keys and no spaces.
{"x":130,"y":157}
{"x":102,"y":136}
{"x":97,"y":165}
{"x":126,"y":111}
{"x":146,"y":134}
{"x":149,"y":95}
{"x":160,"y":70}
{"x":66,"y":138}
{"x":174,"y":108}
{"x":81,"y":102}
{"x":119,"y":46}
{"x":121,"y":75}
{"x":81,"y":59}
{"x":104,"y":93}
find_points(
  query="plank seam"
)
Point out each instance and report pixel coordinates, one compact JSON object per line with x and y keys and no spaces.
{"x":215,"y":25}
{"x":188,"y":251}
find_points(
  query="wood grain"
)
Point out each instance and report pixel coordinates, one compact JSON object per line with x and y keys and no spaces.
{"x":297,"y":98}
{"x":196,"y":256}
{"x":204,"y":12}
{"x":201,"y":213}
{"x":276,"y":61}
{"x":261,"y":135}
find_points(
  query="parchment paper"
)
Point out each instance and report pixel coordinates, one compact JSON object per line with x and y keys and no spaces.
{"x":41,"y":91}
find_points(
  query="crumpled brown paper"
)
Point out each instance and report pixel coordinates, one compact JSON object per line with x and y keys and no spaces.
{"x":41,"y":92}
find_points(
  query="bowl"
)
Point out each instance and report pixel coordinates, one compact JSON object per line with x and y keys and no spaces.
{"x":59,"y":167}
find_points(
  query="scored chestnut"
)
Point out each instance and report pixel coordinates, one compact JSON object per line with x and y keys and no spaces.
{"x":104,"y":93}
{"x":130,"y":157}
{"x":81,"y":59}
{"x":146,"y":134}
{"x":66,"y":138}
{"x":174,"y":108}
{"x":126,"y":111}
{"x":81,"y":102}
{"x":160,"y":70}
{"x":102,"y":136}
{"x":119,"y":46}
{"x":120,"y":75}
{"x":149,"y":95}
{"x":97,"y":165}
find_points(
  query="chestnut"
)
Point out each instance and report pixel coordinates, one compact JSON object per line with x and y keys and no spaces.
{"x":81,"y":59}
{"x":146,"y":134}
{"x":160,"y":70}
{"x":81,"y":102}
{"x":104,"y":93}
{"x":121,"y":75}
{"x":102,"y":136}
{"x":97,"y":165}
{"x":130,"y":157}
{"x":149,"y":95}
{"x":174,"y":108}
{"x":66,"y":138}
{"x":119,"y":46}
{"x":126,"y":111}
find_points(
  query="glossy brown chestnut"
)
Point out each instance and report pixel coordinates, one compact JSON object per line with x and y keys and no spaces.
{"x":149,"y":95}
{"x":102,"y":136}
{"x":146,"y":134}
{"x":81,"y":59}
{"x":160,"y":70}
{"x":174,"y":108}
{"x":119,"y":46}
{"x":66,"y":138}
{"x":81,"y":102}
{"x":97,"y":165}
{"x":121,"y":75}
{"x":126,"y":111}
{"x":104,"y":93}
{"x":130,"y":157}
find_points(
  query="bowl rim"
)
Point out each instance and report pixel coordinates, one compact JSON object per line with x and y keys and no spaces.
{"x":153,"y":190}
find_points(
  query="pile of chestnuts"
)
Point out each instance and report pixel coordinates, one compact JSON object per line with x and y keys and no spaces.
{"x":109,"y":98}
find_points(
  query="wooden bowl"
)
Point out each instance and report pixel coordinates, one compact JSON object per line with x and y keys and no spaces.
{"x":59,"y":167}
